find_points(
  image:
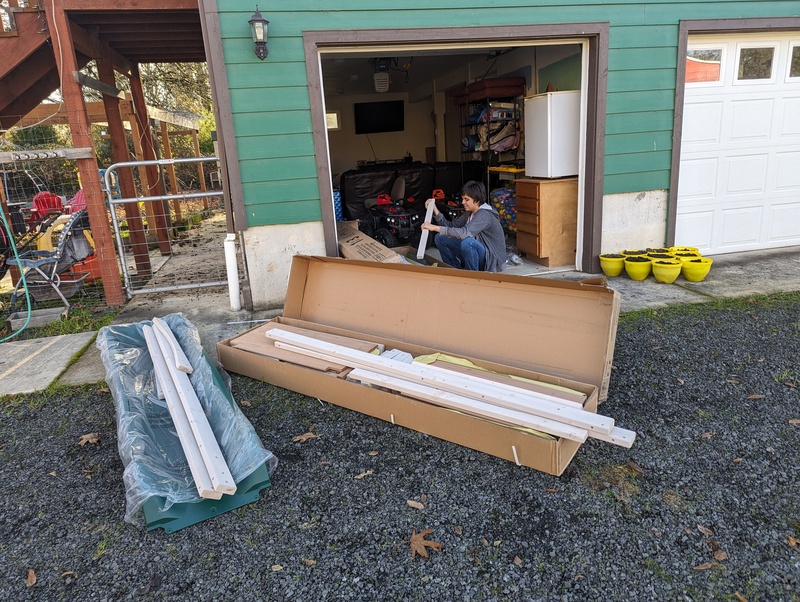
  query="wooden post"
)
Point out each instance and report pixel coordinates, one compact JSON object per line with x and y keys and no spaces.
{"x":200,"y":171}
{"x":61,"y":36}
{"x":155,"y":185}
{"x":173,"y":180}
{"x":119,"y":150}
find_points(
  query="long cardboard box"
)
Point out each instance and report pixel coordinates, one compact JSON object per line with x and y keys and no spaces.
{"x":549,"y":330}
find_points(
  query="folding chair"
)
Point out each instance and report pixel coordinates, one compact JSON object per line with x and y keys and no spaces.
{"x":43,"y":270}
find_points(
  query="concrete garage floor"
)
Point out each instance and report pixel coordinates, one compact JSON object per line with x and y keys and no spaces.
{"x":33,"y":365}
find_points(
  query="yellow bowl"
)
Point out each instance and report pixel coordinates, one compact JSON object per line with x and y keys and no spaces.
{"x":666,"y":270}
{"x":612,"y":264}
{"x":637,"y":270}
{"x":674,"y":250}
{"x":694,"y":270}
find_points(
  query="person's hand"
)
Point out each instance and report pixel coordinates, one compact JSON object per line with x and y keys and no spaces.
{"x":429,"y":227}
{"x":435,"y":208}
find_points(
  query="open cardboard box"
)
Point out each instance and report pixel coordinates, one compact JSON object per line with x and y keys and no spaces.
{"x":354,"y":244}
{"x":549,"y":330}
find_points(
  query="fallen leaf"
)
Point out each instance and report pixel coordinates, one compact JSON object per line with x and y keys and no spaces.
{"x":732,"y":381}
{"x":418,"y":543}
{"x":790,"y":384}
{"x":791,"y":541}
{"x":517,"y":560}
{"x":720,"y":555}
{"x":416,"y":505}
{"x":708,"y":435}
{"x":363,"y":474}
{"x":423,"y":498}
{"x":93,"y":438}
{"x":104,"y":390}
{"x":245,"y":404}
{"x":681,"y":381}
{"x":635,"y":467}
{"x":276,"y":567}
{"x":497,"y":543}
{"x":485,"y":542}
{"x":704,"y":530}
{"x":304,"y":437}
{"x":755,"y":396}
{"x":31,"y":577}
{"x":739,"y":596}
{"x":308,"y":561}
{"x":373,"y":453}
{"x":324,"y":462}
{"x":72,"y":574}
{"x":704,"y":567}
{"x":52,"y":474}
{"x":552,"y":490}
{"x":794,"y":421}
{"x":688,"y":531}
{"x":458,"y":530}
{"x":737,"y":460}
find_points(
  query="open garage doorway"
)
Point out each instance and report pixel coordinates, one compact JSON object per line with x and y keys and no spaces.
{"x":395,"y":108}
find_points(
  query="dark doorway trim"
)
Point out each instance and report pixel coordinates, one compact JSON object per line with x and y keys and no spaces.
{"x":596,"y":33}
{"x":686,"y":29}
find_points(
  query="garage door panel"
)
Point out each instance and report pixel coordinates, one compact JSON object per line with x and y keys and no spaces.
{"x":741,"y":226}
{"x":788,"y":172}
{"x":746,"y":174}
{"x":739,"y":178}
{"x":752,"y":119}
{"x":785,"y":223}
{"x":698,"y":178}
{"x":703,"y":123}
{"x":790,"y":123}
{"x":694,"y":229}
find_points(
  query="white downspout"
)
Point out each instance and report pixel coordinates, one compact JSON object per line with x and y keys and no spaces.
{"x":233,"y":271}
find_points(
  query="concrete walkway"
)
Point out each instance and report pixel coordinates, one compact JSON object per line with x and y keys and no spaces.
{"x":733,"y":275}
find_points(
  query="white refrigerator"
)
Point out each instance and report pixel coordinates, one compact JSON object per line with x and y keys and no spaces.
{"x":552,"y":134}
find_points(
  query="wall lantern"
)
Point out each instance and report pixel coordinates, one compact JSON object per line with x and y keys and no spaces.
{"x":259,"y":28}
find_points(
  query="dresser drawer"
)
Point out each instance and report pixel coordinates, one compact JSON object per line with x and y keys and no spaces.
{"x":528,"y":243}
{"x":527,"y":188}
{"x":528,"y":204}
{"x":527,"y":222}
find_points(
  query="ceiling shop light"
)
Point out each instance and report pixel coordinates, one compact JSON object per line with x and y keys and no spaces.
{"x":259,"y":27}
{"x":381,"y":74}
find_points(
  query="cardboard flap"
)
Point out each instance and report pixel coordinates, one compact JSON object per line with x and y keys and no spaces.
{"x":554,"y":327}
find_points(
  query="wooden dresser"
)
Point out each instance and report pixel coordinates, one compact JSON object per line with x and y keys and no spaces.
{"x":547,"y":220}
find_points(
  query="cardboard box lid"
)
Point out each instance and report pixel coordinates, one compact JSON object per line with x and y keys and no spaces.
{"x":561,"y":328}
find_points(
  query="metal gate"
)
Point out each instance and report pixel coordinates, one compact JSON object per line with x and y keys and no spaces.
{"x":168,"y":242}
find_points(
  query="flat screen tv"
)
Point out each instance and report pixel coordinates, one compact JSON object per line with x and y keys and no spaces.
{"x":377,"y":117}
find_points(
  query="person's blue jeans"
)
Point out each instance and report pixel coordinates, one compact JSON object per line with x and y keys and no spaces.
{"x":467,"y":253}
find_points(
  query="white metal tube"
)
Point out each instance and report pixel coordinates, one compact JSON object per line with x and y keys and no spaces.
{"x":233,"y":271}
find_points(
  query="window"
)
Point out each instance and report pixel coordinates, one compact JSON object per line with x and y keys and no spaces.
{"x":794,"y":61}
{"x":703,"y":65}
{"x":333,"y":120}
{"x":756,"y":63}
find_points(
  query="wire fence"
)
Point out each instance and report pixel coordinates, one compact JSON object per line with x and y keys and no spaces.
{"x":40,"y":189}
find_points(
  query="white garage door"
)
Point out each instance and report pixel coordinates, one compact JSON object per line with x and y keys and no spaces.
{"x":739,"y":185}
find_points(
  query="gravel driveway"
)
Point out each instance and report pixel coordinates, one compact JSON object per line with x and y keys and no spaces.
{"x":705,"y":506}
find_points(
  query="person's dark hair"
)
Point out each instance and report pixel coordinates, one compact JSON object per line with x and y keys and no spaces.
{"x":475,"y":190}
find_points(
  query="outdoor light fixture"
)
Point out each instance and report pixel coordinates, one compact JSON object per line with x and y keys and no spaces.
{"x":381,"y":74}
{"x":259,"y":28}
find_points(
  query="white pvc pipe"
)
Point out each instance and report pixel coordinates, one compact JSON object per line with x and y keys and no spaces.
{"x":233,"y":271}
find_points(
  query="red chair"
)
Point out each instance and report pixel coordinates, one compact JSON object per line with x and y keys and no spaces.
{"x":76,"y":203}
{"x":45,"y":204}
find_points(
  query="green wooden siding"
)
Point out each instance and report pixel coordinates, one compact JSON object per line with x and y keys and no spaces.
{"x":270,"y":102}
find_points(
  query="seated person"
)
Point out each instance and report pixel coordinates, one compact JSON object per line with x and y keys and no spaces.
{"x":475,"y":239}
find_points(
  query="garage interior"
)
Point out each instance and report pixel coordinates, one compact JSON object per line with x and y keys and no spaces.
{"x":435,"y":117}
